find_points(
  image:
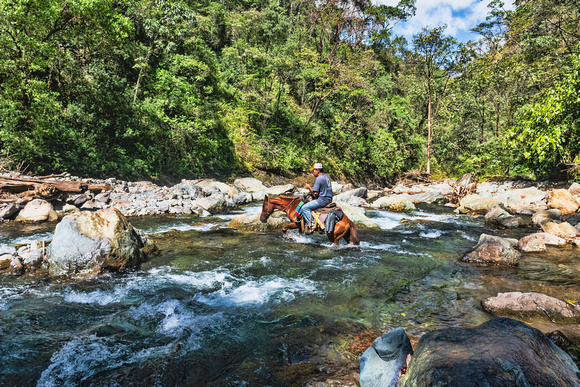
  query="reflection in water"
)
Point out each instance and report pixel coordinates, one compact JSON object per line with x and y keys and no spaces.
{"x":221,"y":307}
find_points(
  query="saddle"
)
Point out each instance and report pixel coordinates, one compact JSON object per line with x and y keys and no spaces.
{"x":325,"y":218}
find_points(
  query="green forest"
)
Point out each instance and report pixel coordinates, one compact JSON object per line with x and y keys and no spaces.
{"x":133,"y":89}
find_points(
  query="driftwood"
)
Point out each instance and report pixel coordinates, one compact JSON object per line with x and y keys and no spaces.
{"x":22,"y":190}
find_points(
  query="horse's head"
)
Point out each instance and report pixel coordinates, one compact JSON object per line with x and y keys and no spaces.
{"x":267,"y":210}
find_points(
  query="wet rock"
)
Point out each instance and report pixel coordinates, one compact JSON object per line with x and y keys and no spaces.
{"x":560,"y":339}
{"x":5,"y":261}
{"x":16,"y":266}
{"x":435,"y":197}
{"x":96,"y":242}
{"x":394,"y":203}
{"x":497,"y":216}
{"x":573,"y":219}
{"x":381,"y":364}
{"x":493,"y":250}
{"x":537,"y":242}
{"x":33,"y":258}
{"x":562,"y":200}
{"x":532,"y":306}
{"x":499,"y":352}
{"x":5,"y":249}
{"x":37,"y":210}
{"x":563,"y":230}
{"x":544,"y":216}
{"x":242,"y":198}
{"x":252,"y":223}
{"x":9,"y":210}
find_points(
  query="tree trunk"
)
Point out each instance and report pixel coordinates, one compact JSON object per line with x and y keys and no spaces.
{"x":429,"y":118}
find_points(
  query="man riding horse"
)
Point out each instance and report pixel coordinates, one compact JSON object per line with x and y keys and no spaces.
{"x":322,"y":193}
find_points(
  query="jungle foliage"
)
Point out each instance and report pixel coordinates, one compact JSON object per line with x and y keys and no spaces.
{"x":211,"y":87}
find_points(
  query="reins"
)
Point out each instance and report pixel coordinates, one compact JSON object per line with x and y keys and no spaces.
{"x":285,"y":208}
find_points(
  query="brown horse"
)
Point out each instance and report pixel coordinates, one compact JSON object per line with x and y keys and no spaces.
{"x":345,"y":228}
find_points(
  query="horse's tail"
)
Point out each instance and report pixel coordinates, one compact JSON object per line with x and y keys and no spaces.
{"x":353,"y":233}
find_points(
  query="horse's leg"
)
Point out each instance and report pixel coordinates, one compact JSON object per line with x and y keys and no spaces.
{"x":291,"y":226}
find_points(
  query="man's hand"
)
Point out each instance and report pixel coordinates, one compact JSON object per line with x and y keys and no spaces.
{"x":307,"y":186}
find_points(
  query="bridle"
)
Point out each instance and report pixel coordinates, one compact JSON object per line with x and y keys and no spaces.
{"x":284,"y":209}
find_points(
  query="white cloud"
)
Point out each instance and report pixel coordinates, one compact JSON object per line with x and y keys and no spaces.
{"x":459,"y":15}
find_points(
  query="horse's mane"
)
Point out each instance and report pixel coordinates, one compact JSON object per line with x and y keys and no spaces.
{"x":288,"y":197}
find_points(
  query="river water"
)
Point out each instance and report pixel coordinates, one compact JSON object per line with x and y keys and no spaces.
{"x":223,"y":308}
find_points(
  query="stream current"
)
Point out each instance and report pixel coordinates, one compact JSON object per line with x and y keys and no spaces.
{"x":223,"y":308}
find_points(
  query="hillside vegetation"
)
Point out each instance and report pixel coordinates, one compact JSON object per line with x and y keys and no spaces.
{"x":195,"y":88}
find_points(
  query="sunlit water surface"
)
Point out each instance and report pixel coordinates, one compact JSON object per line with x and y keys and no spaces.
{"x":220,"y":307}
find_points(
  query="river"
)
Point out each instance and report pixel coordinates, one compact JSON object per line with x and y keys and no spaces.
{"x":223,"y":308}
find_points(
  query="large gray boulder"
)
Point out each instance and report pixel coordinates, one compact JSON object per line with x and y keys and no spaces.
{"x":96,"y":242}
{"x":499,"y":352}
{"x":249,"y":185}
{"x":494,"y":250}
{"x":211,"y":187}
{"x":532,"y":306}
{"x":358,"y":217}
{"x":37,"y":210}
{"x":380,"y":365}
{"x":215,"y":204}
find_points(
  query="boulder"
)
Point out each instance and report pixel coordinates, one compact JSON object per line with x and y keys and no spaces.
{"x":345,"y":196}
{"x":497,"y":216}
{"x":252,"y":223}
{"x":537,"y":242}
{"x":476,"y":202}
{"x":358,"y":217}
{"x":67,"y":209}
{"x":96,"y":242}
{"x":211,"y":187}
{"x":9,"y":210}
{"x":435,"y":197}
{"x":532,"y":306}
{"x":215,"y":204}
{"x":33,"y":258}
{"x":336,"y":187}
{"x":280,"y":189}
{"x":5,"y":261}
{"x":494,"y":250}
{"x":394,"y":203}
{"x":37,"y":210}
{"x":499,"y":352}
{"x":563,"y":230}
{"x":381,"y":364}
{"x":573,"y":219}
{"x":544,"y":216}
{"x":563,"y":200}
{"x":103,"y":197}
{"x":249,"y":185}
{"x":574,"y":189}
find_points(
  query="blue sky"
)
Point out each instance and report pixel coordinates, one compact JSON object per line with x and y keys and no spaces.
{"x":459,"y":15}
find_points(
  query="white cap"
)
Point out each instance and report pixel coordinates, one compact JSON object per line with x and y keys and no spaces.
{"x":316,"y":166}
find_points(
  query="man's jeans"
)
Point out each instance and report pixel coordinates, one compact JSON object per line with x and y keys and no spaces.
{"x":306,"y":211}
